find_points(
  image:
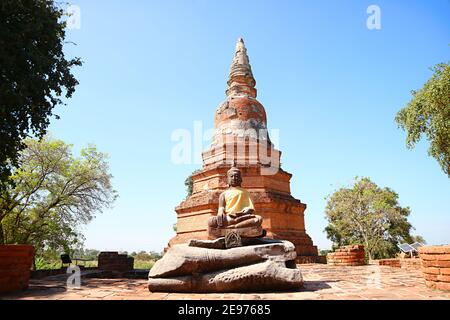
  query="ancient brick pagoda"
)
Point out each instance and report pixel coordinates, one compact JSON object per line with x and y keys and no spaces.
{"x":241,"y":136}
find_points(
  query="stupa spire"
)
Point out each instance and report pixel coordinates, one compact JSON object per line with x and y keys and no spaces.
{"x":240,"y":80}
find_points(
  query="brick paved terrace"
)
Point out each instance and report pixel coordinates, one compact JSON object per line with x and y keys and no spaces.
{"x":322,"y":282}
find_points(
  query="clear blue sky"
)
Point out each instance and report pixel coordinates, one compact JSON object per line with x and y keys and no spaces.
{"x":328,"y":83}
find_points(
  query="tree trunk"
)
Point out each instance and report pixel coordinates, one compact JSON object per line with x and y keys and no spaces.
{"x":366,"y":248}
{"x":2,"y":237}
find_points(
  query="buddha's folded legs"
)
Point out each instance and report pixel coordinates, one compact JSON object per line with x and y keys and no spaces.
{"x":245,"y":221}
{"x":249,"y":224}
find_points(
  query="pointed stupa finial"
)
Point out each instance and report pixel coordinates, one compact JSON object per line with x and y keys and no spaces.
{"x":240,"y":44}
{"x":240,"y":80}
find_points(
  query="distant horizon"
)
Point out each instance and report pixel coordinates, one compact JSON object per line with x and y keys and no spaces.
{"x":328,"y":83}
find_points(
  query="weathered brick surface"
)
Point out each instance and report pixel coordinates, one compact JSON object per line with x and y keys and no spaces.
{"x":436,"y":263}
{"x":390,"y":262}
{"x":445,"y":271}
{"x":445,"y":286}
{"x":113,"y":261}
{"x":431,"y":270}
{"x":321,"y":259}
{"x":430,"y":277}
{"x":352,"y":255}
{"x":443,"y":278}
{"x":436,"y":266}
{"x":405,"y":263}
{"x":445,"y":250}
{"x":435,"y":257}
{"x":306,"y":259}
{"x":15,"y":267}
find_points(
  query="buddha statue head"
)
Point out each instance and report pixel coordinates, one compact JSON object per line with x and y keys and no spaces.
{"x":234,"y":176}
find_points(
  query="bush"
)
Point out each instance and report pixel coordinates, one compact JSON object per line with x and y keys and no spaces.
{"x":43,"y":264}
{"x":143,"y":264}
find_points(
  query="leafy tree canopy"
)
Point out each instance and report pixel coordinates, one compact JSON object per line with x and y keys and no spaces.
{"x":146,"y":256}
{"x":428,"y":113}
{"x":369,"y":215}
{"x":54,"y":193}
{"x":34,"y":73}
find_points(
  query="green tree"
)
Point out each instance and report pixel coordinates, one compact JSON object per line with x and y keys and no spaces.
{"x":324,"y":252}
{"x":369,"y":215}
{"x":142,"y":255}
{"x":54,"y":193}
{"x":428,"y":113}
{"x":418,"y":239}
{"x":189,"y":183}
{"x":34,"y":74}
{"x":91,"y":254}
{"x":155,"y":255}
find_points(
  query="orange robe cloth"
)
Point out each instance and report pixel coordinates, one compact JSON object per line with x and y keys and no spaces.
{"x":236,"y":200}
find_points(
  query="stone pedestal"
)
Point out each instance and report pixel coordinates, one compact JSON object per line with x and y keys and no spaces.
{"x":253,"y":268}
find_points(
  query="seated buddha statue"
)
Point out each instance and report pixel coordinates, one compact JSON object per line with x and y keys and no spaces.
{"x":236,"y":211}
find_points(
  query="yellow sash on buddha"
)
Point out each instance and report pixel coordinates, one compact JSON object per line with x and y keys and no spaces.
{"x":236,"y":200}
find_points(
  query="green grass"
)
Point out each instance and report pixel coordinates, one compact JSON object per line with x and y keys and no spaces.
{"x":143,"y":264}
{"x":56,"y":264}
{"x":42,"y":264}
{"x":89,"y":264}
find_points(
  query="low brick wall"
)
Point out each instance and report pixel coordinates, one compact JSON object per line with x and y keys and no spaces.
{"x":404,"y":263}
{"x":389,"y":262}
{"x":113,"y":261}
{"x":436,"y":266}
{"x":15,"y":267}
{"x":43,"y":273}
{"x":305,"y":259}
{"x":413,"y":263}
{"x":352,"y":255}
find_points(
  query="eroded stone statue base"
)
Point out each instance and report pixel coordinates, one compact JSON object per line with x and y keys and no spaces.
{"x":219,"y":243}
{"x":263,"y":276}
{"x":250,"y":232}
{"x":269,"y":265}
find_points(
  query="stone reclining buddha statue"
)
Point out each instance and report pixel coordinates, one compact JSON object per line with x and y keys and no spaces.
{"x":236,"y":212}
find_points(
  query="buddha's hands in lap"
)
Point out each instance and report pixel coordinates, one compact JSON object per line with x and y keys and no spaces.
{"x":221,"y":219}
{"x":246,"y":211}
